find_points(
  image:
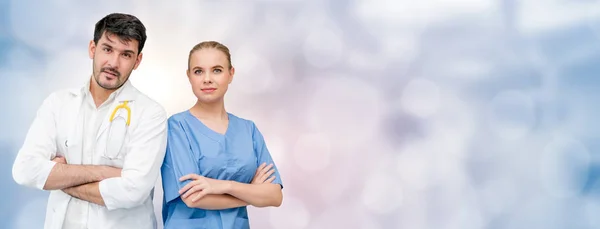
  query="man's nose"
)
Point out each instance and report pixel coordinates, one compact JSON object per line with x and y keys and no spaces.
{"x":113,"y":60}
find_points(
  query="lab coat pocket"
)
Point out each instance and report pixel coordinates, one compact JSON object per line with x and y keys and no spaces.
{"x":114,"y":149}
{"x":115,"y":139}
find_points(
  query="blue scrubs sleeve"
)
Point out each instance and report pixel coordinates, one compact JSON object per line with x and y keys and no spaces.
{"x":262,"y":153}
{"x":179,"y":160}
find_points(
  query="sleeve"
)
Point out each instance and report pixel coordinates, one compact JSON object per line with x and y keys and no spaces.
{"x":179,"y":161}
{"x":141,"y":164}
{"x":262,"y":153}
{"x":33,"y":163}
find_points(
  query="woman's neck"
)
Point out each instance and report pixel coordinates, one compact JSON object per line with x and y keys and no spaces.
{"x":210,"y":111}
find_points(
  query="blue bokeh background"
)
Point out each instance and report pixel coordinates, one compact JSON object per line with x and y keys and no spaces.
{"x":379,"y":113}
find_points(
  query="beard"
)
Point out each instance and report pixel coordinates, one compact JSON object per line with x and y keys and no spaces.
{"x":117,"y":82}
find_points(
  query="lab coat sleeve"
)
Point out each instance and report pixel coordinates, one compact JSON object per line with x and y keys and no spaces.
{"x":33,"y":163}
{"x":179,"y":161}
{"x":262,"y":153}
{"x":141,"y":165}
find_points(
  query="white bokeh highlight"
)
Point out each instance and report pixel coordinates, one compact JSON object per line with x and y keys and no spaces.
{"x":392,"y":13}
{"x":314,"y":70}
{"x":382,"y":193}
{"x":280,"y":217}
{"x":352,"y":216}
{"x":534,"y":18}
{"x":498,"y":196}
{"x":420,"y":97}
{"x":564,"y":161}
{"x":312,"y":152}
{"x":70,"y":68}
{"x":591,"y":208}
{"x":23,"y":59}
{"x":31,"y":214}
{"x":412,"y":167}
{"x":31,"y":31}
{"x":253,"y":72}
{"x":25,"y":95}
{"x":337,"y":97}
{"x":512,"y":114}
{"x":323,"y":47}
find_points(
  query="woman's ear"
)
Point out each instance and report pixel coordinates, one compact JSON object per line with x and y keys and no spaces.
{"x":231,"y":73}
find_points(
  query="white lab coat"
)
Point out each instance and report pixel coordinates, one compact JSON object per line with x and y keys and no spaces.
{"x":56,"y":130}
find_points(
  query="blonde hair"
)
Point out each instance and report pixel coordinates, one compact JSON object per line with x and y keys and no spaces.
{"x":208,"y":45}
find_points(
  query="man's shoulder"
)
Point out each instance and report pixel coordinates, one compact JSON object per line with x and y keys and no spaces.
{"x":149,"y":104}
{"x":61,"y":95}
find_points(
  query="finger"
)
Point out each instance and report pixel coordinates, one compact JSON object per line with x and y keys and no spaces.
{"x":189,"y":176}
{"x":188,"y":186}
{"x":270,"y":180}
{"x":264,"y":171}
{"x":187,"y":192}
{"x":260,"y":168}
{"x":267,"y":168}
{"x":193,"y":190}
{"x":200,"y":195}
{"x":267,"y":175}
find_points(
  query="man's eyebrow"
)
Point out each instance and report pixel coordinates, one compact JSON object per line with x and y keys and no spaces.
{"x":126,"y":50}
{"x":129,"y":51}
{"x":107,"y":45}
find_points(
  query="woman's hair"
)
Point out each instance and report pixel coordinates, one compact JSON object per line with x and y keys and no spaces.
{"x":211,"y":44}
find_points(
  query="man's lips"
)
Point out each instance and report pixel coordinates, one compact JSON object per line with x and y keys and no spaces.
{"x":111,"y":75}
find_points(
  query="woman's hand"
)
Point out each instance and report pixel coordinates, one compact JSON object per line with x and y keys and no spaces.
{"x":263,"y":174}
{"x":201,"y":186}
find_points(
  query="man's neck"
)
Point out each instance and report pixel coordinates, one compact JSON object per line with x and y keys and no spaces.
{"x":99,"y":94}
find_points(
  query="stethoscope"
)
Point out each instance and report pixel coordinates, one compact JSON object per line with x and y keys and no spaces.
{"x":117,"y":131}
{"x":114,"y":143}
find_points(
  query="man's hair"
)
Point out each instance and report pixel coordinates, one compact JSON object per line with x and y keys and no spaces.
{"x":126,"y":27}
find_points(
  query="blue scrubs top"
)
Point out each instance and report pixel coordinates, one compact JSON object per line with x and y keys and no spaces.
{"x":192,"y":147}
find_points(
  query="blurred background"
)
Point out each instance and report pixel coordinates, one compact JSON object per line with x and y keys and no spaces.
{"x":379,"y":113}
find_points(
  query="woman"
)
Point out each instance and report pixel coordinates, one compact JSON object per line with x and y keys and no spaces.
{"x":216,"y":163}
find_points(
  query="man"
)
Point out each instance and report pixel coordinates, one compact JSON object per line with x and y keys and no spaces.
{"x":98,"y":149}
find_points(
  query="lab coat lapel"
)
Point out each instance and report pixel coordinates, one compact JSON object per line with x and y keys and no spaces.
{"x":127,"y":94}
{"x":75,"y":133}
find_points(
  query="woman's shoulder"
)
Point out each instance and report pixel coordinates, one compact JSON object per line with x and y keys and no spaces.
{"x":178,"y":117}
{"x":247,"y":123}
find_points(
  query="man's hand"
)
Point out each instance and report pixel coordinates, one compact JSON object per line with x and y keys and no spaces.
{"x":60,"y":160}
{"x":202,"y":186}
{"x":263,"y":174}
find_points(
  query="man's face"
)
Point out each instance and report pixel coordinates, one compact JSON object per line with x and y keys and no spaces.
{"x":114,"y":60}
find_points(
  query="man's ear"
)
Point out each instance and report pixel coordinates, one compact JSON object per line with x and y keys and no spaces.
{"x":92,"y":49}
{"x":138,"y":60}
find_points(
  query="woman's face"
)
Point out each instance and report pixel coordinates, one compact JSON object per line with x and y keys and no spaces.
{"x":209,"y":74}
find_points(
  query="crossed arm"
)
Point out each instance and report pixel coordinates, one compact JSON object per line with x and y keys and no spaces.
{"x":212,"y":194}
{"x":80,"y":181}
{"x":36,"y":164}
